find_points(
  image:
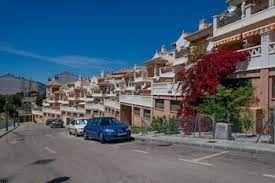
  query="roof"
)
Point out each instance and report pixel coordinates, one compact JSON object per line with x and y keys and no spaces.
{"x":207,"y":32}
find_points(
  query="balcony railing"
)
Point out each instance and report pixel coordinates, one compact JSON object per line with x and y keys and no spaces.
{"x":259,"y":7}
{"x":256,"y":14}
{"x":146,"y":101}
{"x":73,"y":109}
{"x":112,"y":104}
{"x":258,"y":58}
{"x":254,"y":51}
{"x":37,"y":112}
{"x":51,"y":111}
{"x":63,"y":101}
{"x":45,"y":104}
{"x":227,"y":20}
{"x":166,"y":89}
{"x":179,"y":61}
{"x":95,"y":107}
{"x":166,"y":72}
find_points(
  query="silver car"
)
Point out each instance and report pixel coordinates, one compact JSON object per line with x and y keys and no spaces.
{"x":76,"y":126}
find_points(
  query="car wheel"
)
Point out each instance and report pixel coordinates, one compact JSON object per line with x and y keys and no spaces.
{"x":101,"y":138}
{"x":85,"y":136}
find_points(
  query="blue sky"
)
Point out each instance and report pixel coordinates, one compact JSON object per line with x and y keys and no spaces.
{"x":40,"y":38}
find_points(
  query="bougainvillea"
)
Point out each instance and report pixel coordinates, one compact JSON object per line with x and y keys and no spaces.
{"x":202,"y":76}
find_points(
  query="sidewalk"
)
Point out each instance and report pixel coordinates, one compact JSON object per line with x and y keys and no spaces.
{"x":258,"y":148}
{"x":3,"y":131}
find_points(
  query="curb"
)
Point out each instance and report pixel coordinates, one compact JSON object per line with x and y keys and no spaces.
{"x":7,"y":132}
{"x":213,"y":146}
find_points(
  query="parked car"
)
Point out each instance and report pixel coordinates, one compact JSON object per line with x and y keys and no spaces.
{"x":56,"y":123}
{"x":48,"y":121}
{"x":106,"y":129}
{"x":76,"y":126}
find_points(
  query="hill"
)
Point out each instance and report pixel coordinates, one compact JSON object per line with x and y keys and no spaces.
{"x":11,"y":84}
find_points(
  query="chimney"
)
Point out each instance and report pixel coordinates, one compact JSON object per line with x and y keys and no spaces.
{"x":203,"y":24}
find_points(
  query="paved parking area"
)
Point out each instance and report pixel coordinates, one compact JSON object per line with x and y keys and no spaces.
{"x":36,"y":153}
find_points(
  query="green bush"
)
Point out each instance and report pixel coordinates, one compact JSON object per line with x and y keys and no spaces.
{"x":164,"y":125}
{"x":225,"y":105}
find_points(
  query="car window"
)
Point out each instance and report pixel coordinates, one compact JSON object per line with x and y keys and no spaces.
{"x":96,"y":121}
{"x":73,"y":122}
{"x":109,"y":121}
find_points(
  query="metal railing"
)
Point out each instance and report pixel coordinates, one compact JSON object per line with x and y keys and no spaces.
{"x":259,"y":7}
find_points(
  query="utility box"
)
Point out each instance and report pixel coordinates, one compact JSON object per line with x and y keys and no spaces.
{"x":223,"y":131}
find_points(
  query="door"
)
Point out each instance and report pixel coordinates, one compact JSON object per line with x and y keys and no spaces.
{"x":95,"y":127}
{"x":88,"y":128}
{"x":71,"y":126}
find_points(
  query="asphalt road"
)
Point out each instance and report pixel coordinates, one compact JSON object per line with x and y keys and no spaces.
{"x":36,"y":153}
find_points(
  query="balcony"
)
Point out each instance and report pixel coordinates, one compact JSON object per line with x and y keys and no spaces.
{"x":166,"y":72}
{"x":73,"y":109}
{"x":112,"y":104}
{"x":146,"y":101}
{"x":88,"y":99}
{"x":95,"y":107}
{"x":50,"y":101}
{"x":110,"y":94}
{"x":37,"y":112}
{"x":179,"y":61}
{"x":141,"y":79}
{"x":97,"y":94}
{"x":64,"y":102}
{"x":166,"y":89}
{"x":51,"y":111}
{"x":45,"y":104}
{"x":259,"y":59}
{"x":253,"y":14}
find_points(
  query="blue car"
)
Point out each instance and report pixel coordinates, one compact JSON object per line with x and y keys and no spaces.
{"x":106,"y":129}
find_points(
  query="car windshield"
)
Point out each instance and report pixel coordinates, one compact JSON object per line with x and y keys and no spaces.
{"x":109,"y":121}
{"x":81,"y":122}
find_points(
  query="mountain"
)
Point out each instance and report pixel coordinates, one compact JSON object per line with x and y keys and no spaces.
{"x":64,"y":78}
{"x":11,"y":84}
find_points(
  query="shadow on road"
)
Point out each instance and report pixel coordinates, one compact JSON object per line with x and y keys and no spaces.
{"x":59,"y":180}
{"x":42,"y":161}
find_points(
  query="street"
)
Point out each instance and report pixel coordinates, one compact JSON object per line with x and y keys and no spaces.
{"x":36,"y":153}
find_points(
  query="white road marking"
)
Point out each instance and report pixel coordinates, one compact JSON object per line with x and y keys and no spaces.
{"x":50,"y":150}
{"x":268,"y":175}
{"x":195,"y":162}
{"x":139,"y":151}
{"x":49,"y":135}
{"x":210,"y":156}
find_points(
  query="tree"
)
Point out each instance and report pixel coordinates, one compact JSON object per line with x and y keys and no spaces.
{"x":2,"y":102}
{"x":226,"y":105}
{"x":202,"y":76}
{"x":40,"y":98}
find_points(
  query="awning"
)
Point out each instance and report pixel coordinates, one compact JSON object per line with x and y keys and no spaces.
{"x":259,"y":30}
{"x":228,"y":40}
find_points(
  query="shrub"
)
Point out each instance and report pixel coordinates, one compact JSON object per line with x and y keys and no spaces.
{"x":164,"y":125}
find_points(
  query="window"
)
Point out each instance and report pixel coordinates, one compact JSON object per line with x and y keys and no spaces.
{"x":137,"y":111}
{"x":174,"y":105}
{"x":159,"y":103}
{"x":146,"y":113}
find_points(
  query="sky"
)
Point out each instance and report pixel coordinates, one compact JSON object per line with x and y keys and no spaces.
{"x":41,"y":38}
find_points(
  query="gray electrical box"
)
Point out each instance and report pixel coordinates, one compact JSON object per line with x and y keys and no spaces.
{"x":223,"y":131}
